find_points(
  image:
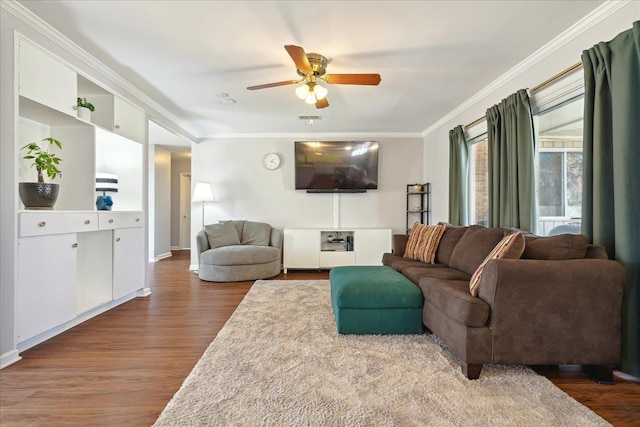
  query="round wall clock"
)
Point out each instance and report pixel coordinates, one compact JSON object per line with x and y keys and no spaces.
{"x":271,"y":161}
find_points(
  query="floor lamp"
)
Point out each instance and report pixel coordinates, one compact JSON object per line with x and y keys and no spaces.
{"x":202,"y":193}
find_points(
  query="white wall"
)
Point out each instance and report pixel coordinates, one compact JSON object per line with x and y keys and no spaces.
{"x":436,"y":161}
{"x":248,"y":191}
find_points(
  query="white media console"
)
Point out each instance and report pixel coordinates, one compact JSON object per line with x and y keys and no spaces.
{"x":315,"y":248}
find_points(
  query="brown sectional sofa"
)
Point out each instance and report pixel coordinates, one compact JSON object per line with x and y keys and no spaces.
{"x":558,"y":304}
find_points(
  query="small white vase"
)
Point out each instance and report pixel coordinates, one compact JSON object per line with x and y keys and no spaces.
{"x":84,"y":113}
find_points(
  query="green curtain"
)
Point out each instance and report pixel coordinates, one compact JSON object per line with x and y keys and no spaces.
{"x":611,"y":182}
{"x":458,"y":176}
{"x":511,"y":169}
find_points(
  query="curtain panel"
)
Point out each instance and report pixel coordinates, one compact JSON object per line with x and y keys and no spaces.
{"x":458,"y":176}
{"x":511,"y":168}
{"x":611,"y":182}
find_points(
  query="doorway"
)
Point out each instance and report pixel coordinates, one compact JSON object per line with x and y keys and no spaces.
{"x":185,"y":211}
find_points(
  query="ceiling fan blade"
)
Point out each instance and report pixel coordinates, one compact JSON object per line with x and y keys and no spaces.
{"x":353,"y":79}
{"x":299,"y":58}
{"x":322,"y":103}
{"x":265,"y":86}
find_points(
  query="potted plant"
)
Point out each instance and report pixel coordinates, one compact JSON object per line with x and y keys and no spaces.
{"x":85,"y":108}
{"x":41,"y":195}
{"x":417,"y":187}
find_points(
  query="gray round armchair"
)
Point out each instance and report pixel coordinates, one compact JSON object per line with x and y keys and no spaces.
{"x":235,"y":251}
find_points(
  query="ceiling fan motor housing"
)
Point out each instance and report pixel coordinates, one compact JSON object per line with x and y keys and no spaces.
{"x":318,"y":64}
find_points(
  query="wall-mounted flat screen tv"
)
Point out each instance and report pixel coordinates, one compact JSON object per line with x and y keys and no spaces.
{"x":336,"y":166}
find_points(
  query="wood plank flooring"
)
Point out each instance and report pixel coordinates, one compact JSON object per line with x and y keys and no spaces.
{"x":122,"y":367}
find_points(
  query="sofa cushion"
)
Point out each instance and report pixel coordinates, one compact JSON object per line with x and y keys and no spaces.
{"x":474,"y":246}
{"x":448,"y":242}
{"x":398,"y":262}
{"x":416,"y":272}
{"x":510,"y":247}
{"x":223,"y":234}
{"x":423,"y":242}
{"x":256,"y":233}
{"x":453,"y":298}
{"x":560,"y":247}
{"x":240,"y":255}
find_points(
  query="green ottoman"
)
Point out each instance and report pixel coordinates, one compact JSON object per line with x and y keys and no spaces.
{"x":375,"y":300}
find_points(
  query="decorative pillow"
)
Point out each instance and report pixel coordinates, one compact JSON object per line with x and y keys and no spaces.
{"x":256,"y":233}
{"x":510,"y":247}
{"x":238,"y":223}
{"x":423,"y":242}
{"x":224,"y":234}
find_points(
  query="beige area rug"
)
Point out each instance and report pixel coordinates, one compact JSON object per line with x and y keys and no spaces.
{"x":280,"y":362}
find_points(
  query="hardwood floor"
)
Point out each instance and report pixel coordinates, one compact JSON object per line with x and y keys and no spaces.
{"x":122,"y":367}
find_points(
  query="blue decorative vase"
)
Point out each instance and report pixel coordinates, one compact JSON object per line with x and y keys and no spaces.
{"x":104,"y":202}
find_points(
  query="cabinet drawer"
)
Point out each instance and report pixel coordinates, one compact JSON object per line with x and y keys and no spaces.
{"x":111,"y":220}
{"x":43,"y":223}
{"x":330,"y":259}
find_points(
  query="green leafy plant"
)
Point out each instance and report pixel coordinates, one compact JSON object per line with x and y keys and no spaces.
{"x":43,"y":160}
{"x":82,"y":102}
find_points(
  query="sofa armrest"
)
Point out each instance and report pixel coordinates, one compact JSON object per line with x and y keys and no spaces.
{"x":202,"y":243}
{"x":399,"y":243}
{"x":276,"y":238}
{"x":554,"y":312}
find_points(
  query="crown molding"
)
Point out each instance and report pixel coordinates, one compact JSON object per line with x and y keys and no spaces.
{"x":596,"y":16}
{"x":314,"y":136}
{"x":56,"y":37}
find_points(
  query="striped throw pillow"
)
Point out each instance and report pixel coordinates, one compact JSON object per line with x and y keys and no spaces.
{"x":423,"y":242}
{"x":510,"y":247}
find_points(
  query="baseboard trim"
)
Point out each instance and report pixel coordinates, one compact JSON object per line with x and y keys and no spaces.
{"x":144,"y":292}
{"x":9,"y":358}
{"x":161,"y":256}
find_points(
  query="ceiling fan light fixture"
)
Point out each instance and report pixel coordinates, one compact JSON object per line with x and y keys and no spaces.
{"x":302,"y":92}
{"x":320,"y":92}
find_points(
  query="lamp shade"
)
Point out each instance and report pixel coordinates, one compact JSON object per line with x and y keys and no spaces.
{"x":202,"y":192}
{"x":106,"y":182}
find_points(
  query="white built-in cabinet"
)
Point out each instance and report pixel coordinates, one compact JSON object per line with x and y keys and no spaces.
{"x":75,"y":262}
{"x":306,"y":248}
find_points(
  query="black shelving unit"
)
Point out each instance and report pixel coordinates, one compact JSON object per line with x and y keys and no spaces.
{"x":418,"y":205}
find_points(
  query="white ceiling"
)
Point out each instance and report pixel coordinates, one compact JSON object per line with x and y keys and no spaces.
{"x":432,"y":55}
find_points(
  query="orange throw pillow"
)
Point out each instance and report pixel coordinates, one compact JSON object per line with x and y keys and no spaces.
{"x":510,"y":247}
{"x":423,"y":242}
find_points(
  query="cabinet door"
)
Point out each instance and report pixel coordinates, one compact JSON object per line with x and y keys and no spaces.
{"x":129,"y":120}
{"x":301,"y":248}
{"x":46,"y":80}
{"x":128,"y":261}
{"x":46,"y":283}
{"x":370,"y":245}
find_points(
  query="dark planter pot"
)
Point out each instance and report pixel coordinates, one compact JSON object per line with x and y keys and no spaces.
{"x":35,"y":195}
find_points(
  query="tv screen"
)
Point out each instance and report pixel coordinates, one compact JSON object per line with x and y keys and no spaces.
{"x":336,"y":166}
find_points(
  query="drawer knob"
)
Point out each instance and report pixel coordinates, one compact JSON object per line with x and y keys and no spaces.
{"x":117,"y":126}
{"x":75,"y":245}
{"x":110,"y":221}
{"x":137,"y":219}
{"x":117,"y":239}
{"x":87,"y":221}
{"x":42,"y":223}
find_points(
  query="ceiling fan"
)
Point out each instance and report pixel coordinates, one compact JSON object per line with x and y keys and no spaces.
{"x":312,"y":67}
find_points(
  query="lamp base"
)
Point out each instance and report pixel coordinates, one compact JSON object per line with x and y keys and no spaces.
{"x":104,"y":203}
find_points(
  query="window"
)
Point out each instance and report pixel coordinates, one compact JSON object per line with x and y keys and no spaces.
{"x":559,"y":168}
{"x":479,"y":180}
